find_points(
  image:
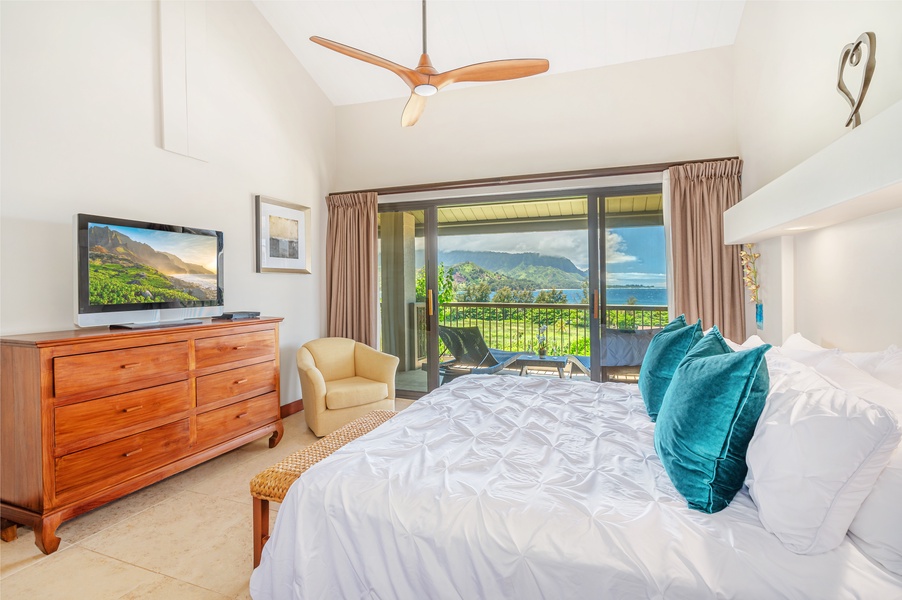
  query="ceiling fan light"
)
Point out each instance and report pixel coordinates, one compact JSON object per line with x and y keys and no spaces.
{"x":425,"y":89}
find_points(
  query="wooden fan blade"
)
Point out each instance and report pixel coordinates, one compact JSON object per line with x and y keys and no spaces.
{"x":496,"y":70}
{"x":410,"y":77}
{"x":413,"y":110}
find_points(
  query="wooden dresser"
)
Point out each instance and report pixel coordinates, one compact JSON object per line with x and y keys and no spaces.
{"x":90,"y":415}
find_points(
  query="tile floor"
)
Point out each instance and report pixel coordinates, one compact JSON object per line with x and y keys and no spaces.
{"x":188,"y":536}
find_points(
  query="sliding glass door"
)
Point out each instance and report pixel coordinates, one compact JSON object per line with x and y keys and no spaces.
{"x":556,"y":285}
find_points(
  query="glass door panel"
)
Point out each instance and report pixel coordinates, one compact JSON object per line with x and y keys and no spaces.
{"x":404,"y":318}
{"x":513,"y":280}
{"x":633,"y":290}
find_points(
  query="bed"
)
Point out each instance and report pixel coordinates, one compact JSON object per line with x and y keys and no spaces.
{"x":510,"y":487}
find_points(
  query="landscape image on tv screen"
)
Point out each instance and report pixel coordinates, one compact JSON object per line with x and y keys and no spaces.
{"x":129,"y":265}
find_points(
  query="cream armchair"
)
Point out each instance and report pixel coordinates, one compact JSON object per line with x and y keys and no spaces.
{"x":341,"y":380}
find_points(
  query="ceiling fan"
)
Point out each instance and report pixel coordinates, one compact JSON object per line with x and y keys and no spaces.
{"x":425,"y":81}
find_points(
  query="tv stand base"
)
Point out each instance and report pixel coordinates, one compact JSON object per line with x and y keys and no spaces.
{"x":156,"y":324}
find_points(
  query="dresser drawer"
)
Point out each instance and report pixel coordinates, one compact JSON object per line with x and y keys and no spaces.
{"x":78,"y":422}
{"x":244,"y":382}
{"x":116,"y":461}
{"x":209,"y":352}
{"x":128,"y":368}
{"x":225,"y":423}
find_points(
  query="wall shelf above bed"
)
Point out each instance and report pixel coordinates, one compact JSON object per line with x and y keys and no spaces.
{"x":859,"y":174}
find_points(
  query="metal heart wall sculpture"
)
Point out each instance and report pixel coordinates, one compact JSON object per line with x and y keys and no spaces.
{"x":851,"y":55}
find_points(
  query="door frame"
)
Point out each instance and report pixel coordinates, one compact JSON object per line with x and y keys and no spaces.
{"x":595,"y":198}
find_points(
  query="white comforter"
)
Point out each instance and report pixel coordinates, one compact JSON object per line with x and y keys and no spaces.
{"x":514,"y":487}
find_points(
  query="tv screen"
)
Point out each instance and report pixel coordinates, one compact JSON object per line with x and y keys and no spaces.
{"x":142,"y":272}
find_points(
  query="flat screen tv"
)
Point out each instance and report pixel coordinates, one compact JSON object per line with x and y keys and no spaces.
{"x":141,"y":274}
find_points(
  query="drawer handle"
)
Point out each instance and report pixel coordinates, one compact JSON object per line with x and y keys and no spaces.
{"x":239,"y":347}
{"x":129,"y":365}
{"x":131,"y":408}
{"x":241,"y":416}
{"x":132,"y":453}
{"x":240,"y":381}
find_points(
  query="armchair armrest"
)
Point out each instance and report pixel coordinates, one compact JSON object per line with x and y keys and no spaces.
{"x":313,"y":384}
{"x":376,"y":365}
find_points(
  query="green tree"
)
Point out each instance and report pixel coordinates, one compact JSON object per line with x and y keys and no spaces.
{"x":522,"y":296}
{"x":504,"y":295}
{"x":475,"y":292}
{"x":445,"y":284}
{"x":551,"y":296}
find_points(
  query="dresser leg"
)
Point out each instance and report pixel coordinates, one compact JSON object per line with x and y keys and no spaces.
{"x":276,"y":436}
{"x":45,"y":534}
{"x":8,"y":531}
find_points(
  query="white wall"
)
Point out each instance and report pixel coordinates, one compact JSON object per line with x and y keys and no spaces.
{"x":787,"y":55}
{"x":787,"y":108}
{"x":866,"y":300}
{"x":81,"y":134}
{"x":673,"y":108}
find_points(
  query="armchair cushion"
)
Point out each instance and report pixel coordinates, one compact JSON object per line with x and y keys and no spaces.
{"x":354,"y":391}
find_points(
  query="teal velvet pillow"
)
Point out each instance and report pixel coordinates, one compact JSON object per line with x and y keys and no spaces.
{"x":665,"y":351}
{"x":707,"y":420}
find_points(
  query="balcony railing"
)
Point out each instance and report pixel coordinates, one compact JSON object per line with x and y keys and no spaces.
{"x":515,"y":326}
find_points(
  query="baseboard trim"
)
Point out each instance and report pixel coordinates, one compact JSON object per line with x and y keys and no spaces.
{"x":292,"y":407}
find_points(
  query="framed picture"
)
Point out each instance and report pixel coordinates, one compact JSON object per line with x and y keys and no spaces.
{"x":283,"y":236}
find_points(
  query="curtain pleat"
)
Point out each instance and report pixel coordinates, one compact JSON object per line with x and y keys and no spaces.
{"x":707,"y":273}
{"x":351,"y":267}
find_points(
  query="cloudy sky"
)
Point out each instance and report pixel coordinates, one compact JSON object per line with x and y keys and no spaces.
{"x":195,"y":249}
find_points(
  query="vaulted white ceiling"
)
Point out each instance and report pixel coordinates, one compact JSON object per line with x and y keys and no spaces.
{"x":572,"y":34}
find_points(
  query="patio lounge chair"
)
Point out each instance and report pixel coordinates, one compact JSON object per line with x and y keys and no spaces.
{"x":471,"y":354}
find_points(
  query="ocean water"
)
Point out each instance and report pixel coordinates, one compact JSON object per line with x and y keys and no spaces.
{"x":645,"y":296}
{"x":208,"y":282}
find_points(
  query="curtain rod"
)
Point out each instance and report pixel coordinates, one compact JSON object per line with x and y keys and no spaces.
{"x":534,"y":178}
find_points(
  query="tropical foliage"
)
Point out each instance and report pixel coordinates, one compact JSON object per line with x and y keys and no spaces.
{"x":127,"y":282}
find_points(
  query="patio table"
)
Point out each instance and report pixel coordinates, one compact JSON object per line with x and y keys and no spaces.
{"x":534,"y":360}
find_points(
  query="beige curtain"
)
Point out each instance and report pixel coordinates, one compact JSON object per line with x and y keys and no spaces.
{"x":707,"y":274}
{"x":351,"y":255}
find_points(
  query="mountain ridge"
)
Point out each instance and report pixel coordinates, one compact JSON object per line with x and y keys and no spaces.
{"x":500,"y":262}
{"x":110,"y":241}
{"x":522,"y":270}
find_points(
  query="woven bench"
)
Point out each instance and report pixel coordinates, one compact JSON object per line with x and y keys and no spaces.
{"x":272,"y":484}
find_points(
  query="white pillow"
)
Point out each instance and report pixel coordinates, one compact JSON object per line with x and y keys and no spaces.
{"x":885,"y":366}
{"x":877,"y":528}
{"x":815,"y":456}
{"x":869,"y":361}
{"x":797,"y":341}
{"x":753,"y":342}
{"x":840,"y":372}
